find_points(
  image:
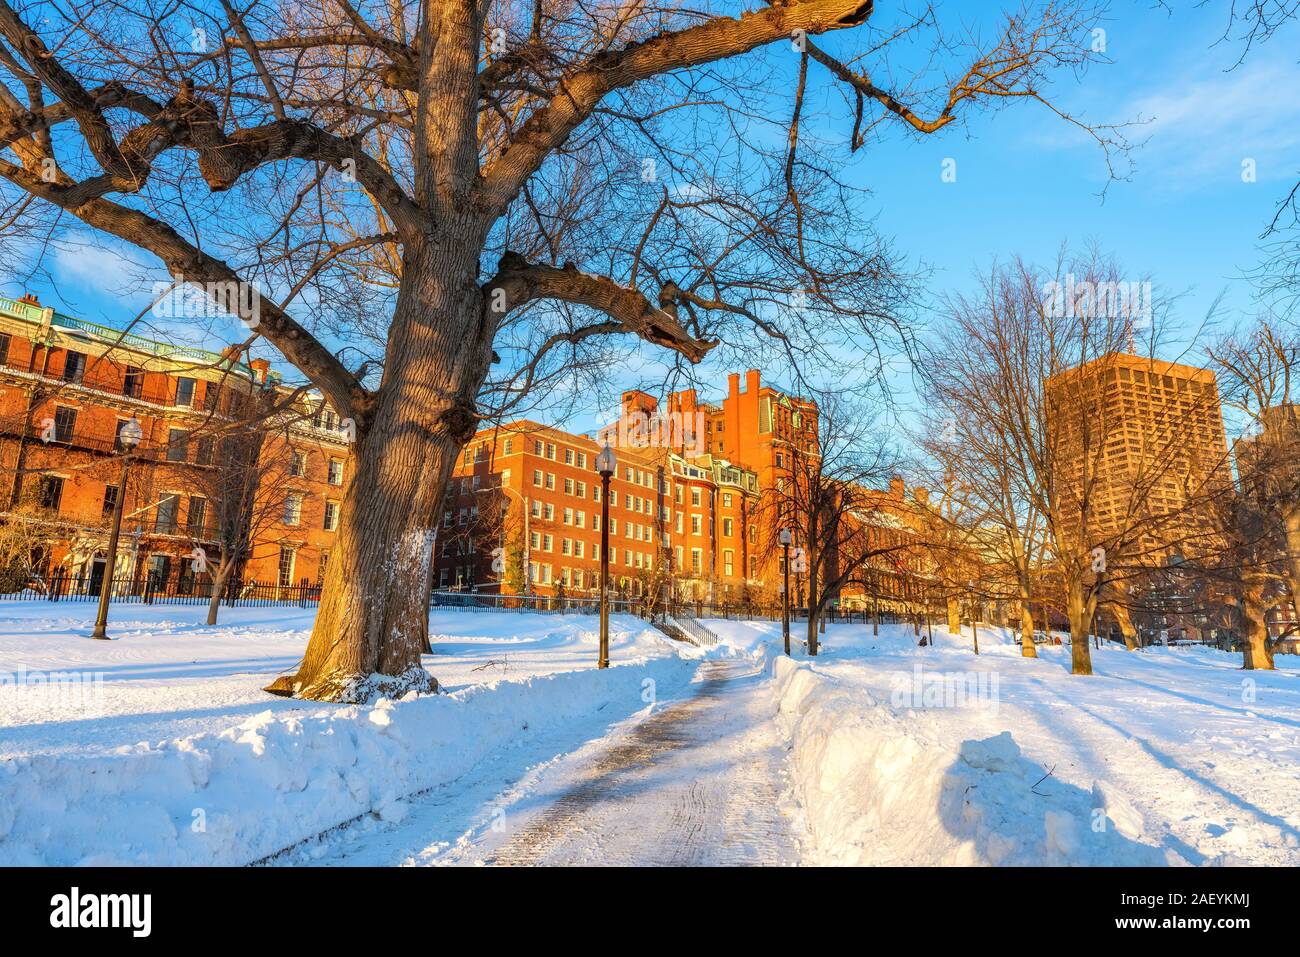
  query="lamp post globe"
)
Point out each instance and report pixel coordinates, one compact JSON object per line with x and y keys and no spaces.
{"x":606,"y":463}
{"x":129,"y":435}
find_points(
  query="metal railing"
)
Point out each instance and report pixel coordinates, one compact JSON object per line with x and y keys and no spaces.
{"x":172,"y":590}
{"x":543,"y":604}
{"x":693,"y":630}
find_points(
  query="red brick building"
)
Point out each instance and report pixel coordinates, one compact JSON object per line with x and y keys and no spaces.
{"x":67,"y":387}
{"x":685,"y":504}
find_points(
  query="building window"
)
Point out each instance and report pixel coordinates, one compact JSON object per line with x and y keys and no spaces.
{"x":298,"y":467}
{"x":49,"y":492}
{"x":292,"y":509}
{"x":203,"y":455}
{"x":132,"y":382}
{"x":4,"y":348}
{"x":211,"y":396}
{"x":697,"y":561}
{"x":336,"y":472}
{"x":695,"y":496}
{"x":285,"y":565}
{"x":110,"y":499}
{"x":195,"y":516}
{"x":695,"y":525}
{"x":331,"y":516}
{"x":74,"y":366}
{"x":728,"y":559}
{"x":323,"y":565}
{"x":177,"y":448}
{"x":726,"y":527}
{"x":168,"y":509}
{"x":537,"y":478}
{"x":65,"y":423}
{"x":568,"y":456}
{"x":185,"y":391}
{"x":509,"y":447}
{"x":160,"y":567}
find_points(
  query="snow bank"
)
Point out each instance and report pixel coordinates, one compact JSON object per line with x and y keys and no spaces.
{"x":237,"y":795}
{"x":878,"y":787}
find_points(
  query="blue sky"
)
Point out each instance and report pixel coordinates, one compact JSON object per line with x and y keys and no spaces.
{"x":1027,"y":182}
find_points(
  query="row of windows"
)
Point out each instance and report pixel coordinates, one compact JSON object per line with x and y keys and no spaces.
{"x":333,"y":469}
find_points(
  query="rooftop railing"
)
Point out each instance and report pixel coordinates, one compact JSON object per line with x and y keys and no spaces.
{"x":128,"y":340}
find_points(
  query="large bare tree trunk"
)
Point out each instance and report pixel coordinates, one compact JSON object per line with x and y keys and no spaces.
{"x":1027,"y":647}
{"x":1256,"y":654}
{"x":954,"y":616}
{"x":1125,"y":625}
{"x":1080,"y":617}
{"x":374,"y":614}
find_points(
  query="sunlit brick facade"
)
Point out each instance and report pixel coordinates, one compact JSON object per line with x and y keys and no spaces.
{"x":66,"y":388}
{"x":685,"y":504}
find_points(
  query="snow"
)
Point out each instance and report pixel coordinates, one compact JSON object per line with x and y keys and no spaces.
{"x":159,"y":747}
{"x":1168,"y":756}
{"x":170,"y":754}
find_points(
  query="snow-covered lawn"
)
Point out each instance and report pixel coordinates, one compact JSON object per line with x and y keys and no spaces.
{"x":160,"y":747}
{"x":933,"y":755}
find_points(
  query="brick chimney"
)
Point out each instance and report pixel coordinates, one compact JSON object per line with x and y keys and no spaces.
{"x":29,"y":298}
{"x":733,"y":385}
{"x":896,"y":488}
{"x":751,"y":381}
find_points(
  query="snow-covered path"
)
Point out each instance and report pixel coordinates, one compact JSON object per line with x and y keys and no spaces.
{"x":701,"y":781}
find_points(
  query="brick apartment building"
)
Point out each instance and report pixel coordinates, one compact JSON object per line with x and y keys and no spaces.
{"x":1157,"y":427}
{"x":67,"y":386}
{"x":686,"y":503}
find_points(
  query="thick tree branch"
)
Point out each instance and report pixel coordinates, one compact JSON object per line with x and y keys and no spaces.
{"x":582,"y":90}
{"x":518,"y":282}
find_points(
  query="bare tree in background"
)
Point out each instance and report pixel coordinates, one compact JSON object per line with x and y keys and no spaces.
{"x":476,"y":200}
{"x":827,"y":496}
{"x":246,"y":488}
{"x":1043,"y":368}
{"x":1259,"y":518}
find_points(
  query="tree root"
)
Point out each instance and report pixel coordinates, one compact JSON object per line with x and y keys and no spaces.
{"x":355,"y":688}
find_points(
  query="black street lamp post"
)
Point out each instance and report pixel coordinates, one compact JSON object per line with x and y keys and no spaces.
{"x":128,"y":436}
{"x":785,"y":589}
{"x":605,"y":465}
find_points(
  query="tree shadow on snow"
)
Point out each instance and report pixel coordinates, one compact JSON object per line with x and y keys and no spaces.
{"x":1011,"y":811}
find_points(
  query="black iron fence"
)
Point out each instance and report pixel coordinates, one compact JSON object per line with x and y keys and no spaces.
{"x":644,"y":608}
{"x":171,"y":590}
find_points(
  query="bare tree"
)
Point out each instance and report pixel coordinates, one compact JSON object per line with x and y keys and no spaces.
{"x":1043,"y":349}
{"x":1258,"y":519}
{"x":1259,"y":376}
{"x":824,"y":494}
{"x":479,"y":199}
{"x":246,"y":488}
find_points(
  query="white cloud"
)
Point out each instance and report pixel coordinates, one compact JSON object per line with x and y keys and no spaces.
{"x":101,"y":268}
{"x":1205,"y":123}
